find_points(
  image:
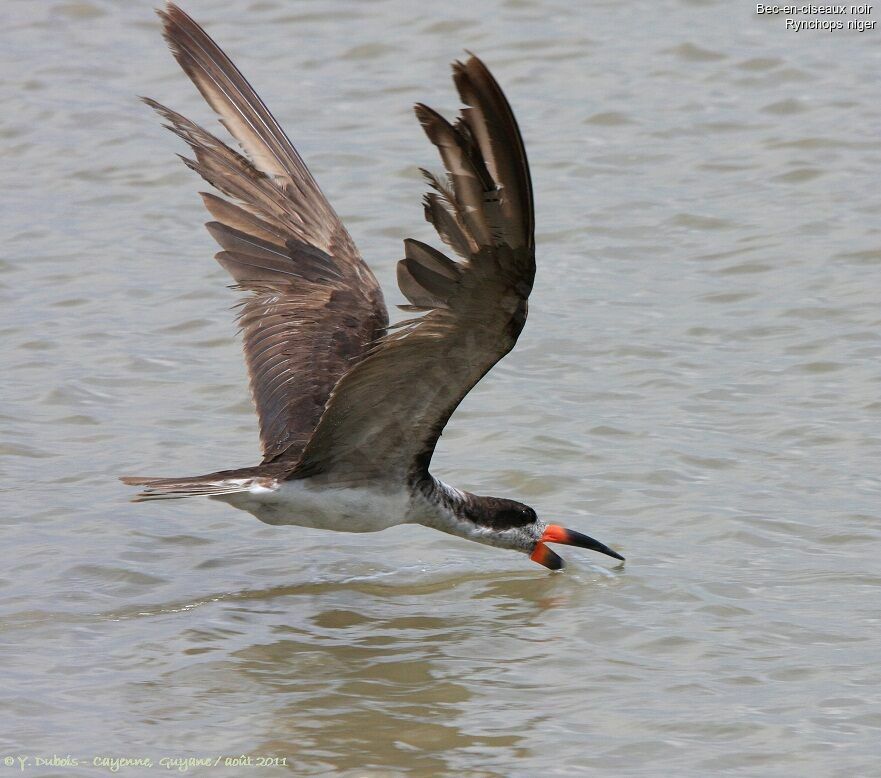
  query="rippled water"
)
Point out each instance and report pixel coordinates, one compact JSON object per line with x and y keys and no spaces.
{"x":698,"y":386}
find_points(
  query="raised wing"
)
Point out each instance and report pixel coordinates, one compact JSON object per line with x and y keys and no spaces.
{"x":314,"y":304}
{"x":385,"y":415}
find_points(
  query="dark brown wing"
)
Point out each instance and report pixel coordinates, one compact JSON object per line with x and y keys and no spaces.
{"x":314,"y":304}
{"x":385,"y":415}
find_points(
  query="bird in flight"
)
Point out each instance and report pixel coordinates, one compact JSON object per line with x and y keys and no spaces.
{"x":350,"y":408}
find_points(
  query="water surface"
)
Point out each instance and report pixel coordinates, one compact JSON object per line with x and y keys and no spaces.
{"x":698,"y":386}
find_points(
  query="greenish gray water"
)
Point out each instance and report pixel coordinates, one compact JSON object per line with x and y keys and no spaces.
{"x":698,"y":386}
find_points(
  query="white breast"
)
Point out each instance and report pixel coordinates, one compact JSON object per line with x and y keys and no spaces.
{"x":345,"y":509}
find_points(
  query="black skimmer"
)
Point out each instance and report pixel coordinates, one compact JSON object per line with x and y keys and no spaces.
{"x":351,"y":409}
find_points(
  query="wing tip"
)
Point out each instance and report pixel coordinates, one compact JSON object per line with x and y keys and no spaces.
{"x":172,"y":14}
{"x":424,"y":113}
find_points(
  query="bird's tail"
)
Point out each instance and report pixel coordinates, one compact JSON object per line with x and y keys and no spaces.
{"x":196,"y":486}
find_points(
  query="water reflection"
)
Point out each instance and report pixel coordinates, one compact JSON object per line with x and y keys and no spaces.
{"x":365,"y":674}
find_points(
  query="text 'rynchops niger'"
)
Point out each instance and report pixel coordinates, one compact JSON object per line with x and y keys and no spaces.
{"x":350,"y":408}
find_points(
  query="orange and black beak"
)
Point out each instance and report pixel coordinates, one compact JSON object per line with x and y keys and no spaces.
{"x":556,"y":534}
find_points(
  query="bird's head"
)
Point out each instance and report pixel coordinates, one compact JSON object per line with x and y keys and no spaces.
{"x":511,"y":524}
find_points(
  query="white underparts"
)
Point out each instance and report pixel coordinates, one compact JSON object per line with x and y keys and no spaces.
{"x":344,"y":509}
